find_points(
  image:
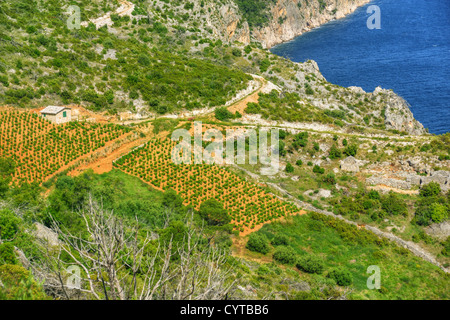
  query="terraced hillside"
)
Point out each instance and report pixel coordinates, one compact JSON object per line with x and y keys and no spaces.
{"x":40,"y":148}
{"x":248,"y":205}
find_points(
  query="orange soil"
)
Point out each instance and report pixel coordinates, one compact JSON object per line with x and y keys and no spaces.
{"x":85,"y":156}
{"x":105,"y":163}
{"x":242,"y":104}
{"x":239,"y":250}
{"x":42,"y":149}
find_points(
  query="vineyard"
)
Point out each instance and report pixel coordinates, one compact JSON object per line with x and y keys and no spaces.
{"x":40,"y":148}
{"x":248,"y":204}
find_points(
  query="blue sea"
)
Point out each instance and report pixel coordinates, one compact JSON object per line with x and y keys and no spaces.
{"x":409,"y":54}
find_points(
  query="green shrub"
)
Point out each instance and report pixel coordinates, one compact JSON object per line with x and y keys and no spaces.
{"x":285,"y":255}
{"x":311,"y":264}
{"x":318,"y":169}
{"x":7,"y":254}
{"x":394,"y":205}
{"x":280,"y":240}
{"x":374,"y":195}
{"x":438,"y":213}
{"x":263,"y":270}
{"x":19,"y":284}
{"x":446,"y":251}
{"x":330,"y":178}
{"x":258,"y":243}
{"x":431,"y":189}
{"x":236,"y":52}
{"x":289,"y":168}
{"x":223,"y":114}
{"x":351,"y":150}
{"x":335,"y":152}
{"x":9,"y":225}
{"x":341,"y":276}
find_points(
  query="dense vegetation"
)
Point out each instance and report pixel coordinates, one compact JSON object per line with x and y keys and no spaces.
{"x":331,"y":252}
{"x":62,"y":65}
{"x":197,"y":212}
{"x":288,"y":107}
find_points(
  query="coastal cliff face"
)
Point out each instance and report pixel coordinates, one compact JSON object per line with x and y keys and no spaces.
{"x":287,"y":19}
{"x":227,"y":23}
{"x":291,"y":18}
{"x":397,"y":115}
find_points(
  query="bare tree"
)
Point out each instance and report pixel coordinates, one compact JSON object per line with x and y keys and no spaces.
{"x":118,"y":261}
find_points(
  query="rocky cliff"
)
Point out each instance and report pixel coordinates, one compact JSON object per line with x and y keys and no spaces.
{"x":291,"y":18}
{"x":397,"y":115}
{"x":288,"y":19}
{"x":227,"y":23}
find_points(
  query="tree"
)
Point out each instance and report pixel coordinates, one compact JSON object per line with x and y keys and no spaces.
{"x":351,"y":150}
{"x":431,"y":189}
{"x":289,"y":168}
{"x":119,"y":261}
{"x":173,"y":205}
{"x":213,"y":212}
{"x":335,"y":152}
{"x":438,"y":212}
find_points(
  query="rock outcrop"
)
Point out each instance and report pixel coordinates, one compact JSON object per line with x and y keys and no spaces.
{"x":439,"y":230}
{"x":291,"y":18}
{"x":46,"y":234}
{"x":442,"y":177}
{"x":403,"y":174}
{"x":397,"y":115}
{"x":350,"y":164}
{"x":228,"y":24}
